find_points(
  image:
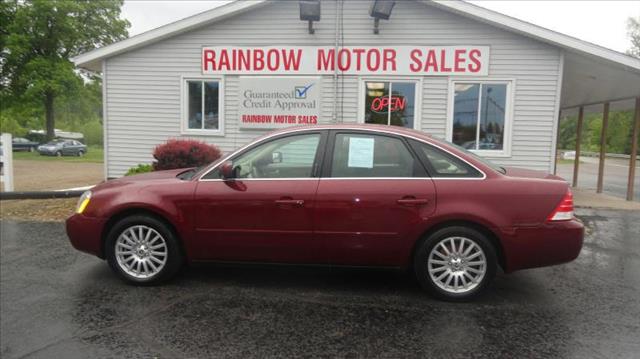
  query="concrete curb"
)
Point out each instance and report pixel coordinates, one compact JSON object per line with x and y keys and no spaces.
{"x":39,"y":195}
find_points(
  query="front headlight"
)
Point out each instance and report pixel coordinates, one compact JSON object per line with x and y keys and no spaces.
{"x":83,"y":202}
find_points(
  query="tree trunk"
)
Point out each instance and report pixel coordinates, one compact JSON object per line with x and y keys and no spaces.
{"x":48,"y":108}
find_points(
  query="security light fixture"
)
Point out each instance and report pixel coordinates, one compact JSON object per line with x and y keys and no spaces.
{"x":310,"y":11}
{"x":380,"y":9}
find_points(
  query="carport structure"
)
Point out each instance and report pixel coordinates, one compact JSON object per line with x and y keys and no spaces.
{"x":592,"y":76}
{"x":593,"y":84}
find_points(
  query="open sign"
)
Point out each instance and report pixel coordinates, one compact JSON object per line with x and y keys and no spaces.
{"x":388,"y":103}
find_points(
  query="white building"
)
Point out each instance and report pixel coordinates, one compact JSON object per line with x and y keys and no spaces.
{"x":486,"y":81}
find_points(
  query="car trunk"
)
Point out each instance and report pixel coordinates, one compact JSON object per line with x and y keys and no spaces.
{"x":527,"y":173}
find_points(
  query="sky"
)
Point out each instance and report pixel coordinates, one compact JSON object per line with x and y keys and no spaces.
{"x":599,"y":22}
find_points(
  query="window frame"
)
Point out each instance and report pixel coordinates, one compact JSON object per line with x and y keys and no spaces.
{"x":184,"y":106}
{"x":316,"y":167}
{"x":362,"y":92}
{"x":476,"y":173}
{"x":508,"y":113}
{"x":327,"y":162}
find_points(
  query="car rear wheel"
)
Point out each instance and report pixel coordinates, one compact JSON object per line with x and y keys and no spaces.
{"x":455,"y":263}
{"x":58,"y":154}
{"x":143,"y":250}
{"x":31,"y":149}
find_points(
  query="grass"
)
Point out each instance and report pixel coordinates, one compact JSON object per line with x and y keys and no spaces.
{"x":94,"y":154}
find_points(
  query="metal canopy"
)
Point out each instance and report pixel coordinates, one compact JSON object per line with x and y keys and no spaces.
{"x":589,"y":80}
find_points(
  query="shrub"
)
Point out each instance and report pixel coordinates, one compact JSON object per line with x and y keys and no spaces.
{"x":184,"y":153}
{"x":10,"y":125}
{"x":92,"y":132}
{"x":141,"y":168}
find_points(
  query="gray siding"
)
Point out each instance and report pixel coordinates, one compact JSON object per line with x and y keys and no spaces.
{"x":143,"y":86}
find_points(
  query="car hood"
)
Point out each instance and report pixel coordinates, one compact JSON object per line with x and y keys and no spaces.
{"x":527,"y":173}
{"x":141,"y":178}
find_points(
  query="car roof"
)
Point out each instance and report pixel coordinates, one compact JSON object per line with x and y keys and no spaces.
{"x":357,"y":127}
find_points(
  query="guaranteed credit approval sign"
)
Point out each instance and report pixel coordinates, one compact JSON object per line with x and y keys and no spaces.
{"x":274,"y":102}
{"x":349,"y":60}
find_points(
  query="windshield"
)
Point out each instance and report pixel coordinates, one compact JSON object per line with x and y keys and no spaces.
{"x":480,"y":159}
{"x":55,"y":142}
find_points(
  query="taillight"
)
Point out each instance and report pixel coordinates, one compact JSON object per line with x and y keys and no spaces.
{"x":564,"y":210}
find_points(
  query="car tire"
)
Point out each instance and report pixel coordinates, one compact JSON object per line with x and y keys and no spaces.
{"x":31,"y":149}
{"x":58,"y":154}
{"x":80,"y":153}
{"x":128,"y":263}
{"x":461,"y":274}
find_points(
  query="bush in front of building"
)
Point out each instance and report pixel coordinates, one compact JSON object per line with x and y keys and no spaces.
{"x":184,"y":153}
{"x":141,"y":168}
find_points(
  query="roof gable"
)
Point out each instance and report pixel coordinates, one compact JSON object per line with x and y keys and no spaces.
{"x":92,"y":60}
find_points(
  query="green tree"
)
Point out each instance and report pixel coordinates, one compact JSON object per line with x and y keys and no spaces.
{"x":633,"y":30}
{"x":39,"y":38}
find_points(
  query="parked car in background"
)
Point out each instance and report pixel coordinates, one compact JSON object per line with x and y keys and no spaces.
{"x":23,"y":144}
{"x":63,"y":148}
{"x":375,"y":196}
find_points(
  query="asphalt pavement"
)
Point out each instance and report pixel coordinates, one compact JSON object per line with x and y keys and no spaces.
{"x":59,"y":303}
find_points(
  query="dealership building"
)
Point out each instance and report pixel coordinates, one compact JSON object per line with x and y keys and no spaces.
{"x":485,"y":81}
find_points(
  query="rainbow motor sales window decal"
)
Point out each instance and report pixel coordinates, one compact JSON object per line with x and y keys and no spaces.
{"x":348,"y":60}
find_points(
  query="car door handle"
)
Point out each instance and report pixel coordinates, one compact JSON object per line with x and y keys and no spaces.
{"x":290,"y":202}
{"x":413,"y":201}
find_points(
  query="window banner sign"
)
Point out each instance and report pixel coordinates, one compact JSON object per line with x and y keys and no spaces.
{"x":275,"y":102}
{"x":348,"y":60}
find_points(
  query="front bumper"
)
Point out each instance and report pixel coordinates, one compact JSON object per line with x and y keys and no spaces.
{"x":47,"y":152}
{"x":85,"y":233}
{"x":544,"y":245}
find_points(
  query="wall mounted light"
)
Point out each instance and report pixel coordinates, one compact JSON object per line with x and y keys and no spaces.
{"x":380,"y":9}
{"x":310,"y":11}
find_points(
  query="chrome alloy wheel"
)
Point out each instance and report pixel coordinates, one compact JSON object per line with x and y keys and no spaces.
{"x":457,"y":264}
{"x":141,"y":251}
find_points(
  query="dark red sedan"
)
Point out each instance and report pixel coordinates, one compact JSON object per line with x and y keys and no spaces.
{"x":374,"y":196}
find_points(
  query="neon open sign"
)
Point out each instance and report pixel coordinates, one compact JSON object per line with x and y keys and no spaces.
{"x":388,"y":103}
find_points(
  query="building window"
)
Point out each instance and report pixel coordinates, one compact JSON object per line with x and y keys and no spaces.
{"x":480,"y":115}
{"x":390,"y":103}
{"x":203,"y":108}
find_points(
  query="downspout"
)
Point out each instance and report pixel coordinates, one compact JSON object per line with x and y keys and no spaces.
{"x":335,"y":67}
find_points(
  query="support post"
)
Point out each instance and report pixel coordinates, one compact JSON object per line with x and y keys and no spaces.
{"x":576,"y":162}
{"x":603,"y":146}
{"x":634,"y":151}
{"x":555,"y":155}
{"x":6,"y":158}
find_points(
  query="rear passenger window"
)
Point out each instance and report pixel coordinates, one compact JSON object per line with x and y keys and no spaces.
{"x":361,"y":155}
{"x":443,"y":164}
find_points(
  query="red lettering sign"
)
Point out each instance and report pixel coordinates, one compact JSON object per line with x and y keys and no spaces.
{"x":363,"y":60}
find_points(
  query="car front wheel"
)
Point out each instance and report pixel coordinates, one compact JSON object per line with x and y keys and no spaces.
{"x":143,"y":250}
{"x":80,"y":153}
{"x":58,"y":154}
{"x":455,"y":263}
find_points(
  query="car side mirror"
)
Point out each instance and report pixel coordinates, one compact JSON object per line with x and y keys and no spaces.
{"x":227,"y":170}
{"x":276,"y":157}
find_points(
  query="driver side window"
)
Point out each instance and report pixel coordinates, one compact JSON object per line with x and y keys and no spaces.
{"x":287,"y":157}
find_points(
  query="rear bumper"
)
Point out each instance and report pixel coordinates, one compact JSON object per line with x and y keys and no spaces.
{"x":545,"y":245}
{"x":85,"y":233}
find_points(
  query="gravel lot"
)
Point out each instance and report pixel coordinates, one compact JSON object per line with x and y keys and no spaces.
{"x":56,"y":302}
{"x":31,"y":175}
